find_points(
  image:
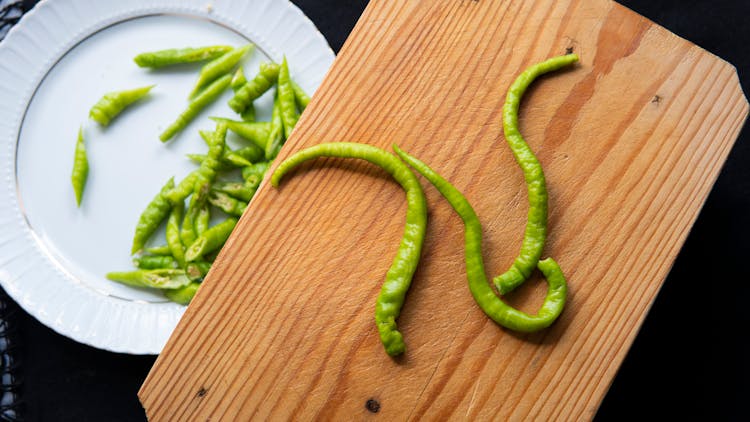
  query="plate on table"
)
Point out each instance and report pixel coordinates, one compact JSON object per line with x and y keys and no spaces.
{"x":54,"y":65}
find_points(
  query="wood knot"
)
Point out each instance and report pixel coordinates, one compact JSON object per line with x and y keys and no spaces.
{"x":569,"y":50}
{"x":656,"y":100}
{"x":202,"y":392}
{"x":372,"y":405}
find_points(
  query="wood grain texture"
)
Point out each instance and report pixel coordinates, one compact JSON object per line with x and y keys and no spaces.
{"x":631,"y":142}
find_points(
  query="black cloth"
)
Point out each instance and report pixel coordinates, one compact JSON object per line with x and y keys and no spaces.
{"x":690,"y":359}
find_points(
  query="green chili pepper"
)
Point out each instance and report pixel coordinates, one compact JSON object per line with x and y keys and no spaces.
{"x":253,"y":175}
{"x":159,"y":250}
{"x":255,"y":132}
{"x":176,"y":247}
{"x":227,"y":204}
{"x":200,"y":195}
{"x":112,"y":103}
{"x":197,"y":270}
{"x":207,"y":96}
{"x":161,"y":58}
{"x":183,"y":295}
{"x":398,"y":279}
{"x":220,"y":66}
{"x":157,"y":279}
{"x":211,"y":240}
{"x":223,"y":166}
{"x":276,"y":133}
{"x":266,"y":77}
{"x":153,"y":262}
{"x":536,"y":225}
{"x":249,"y":114}
{"x":202,"y":219}
{"x":493,"y":306}
{"x":235,"y":159}
{"x":287,"y":104}
{"x":238,"y":79}
{"x":301,"y":98}
{"x":80,"y":168}
{"x":239,"y":190}
{"x":210,"y":164}
{"x":251,"y":153}
{"x":156,"y":211}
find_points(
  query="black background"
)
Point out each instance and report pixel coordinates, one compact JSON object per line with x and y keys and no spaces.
{"x":690,"y":359}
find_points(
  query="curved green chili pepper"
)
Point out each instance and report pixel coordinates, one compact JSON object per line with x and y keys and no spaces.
{"x":276,"y":132}
{"x":398,"y":279}
{"x":266,"y":77}
{"x":536,"y":225}
{"x":112,"y":103}
{"x":287,"y":104}
{"x":176,"y":247}
{"x":154,"y":262}
{"x":255,"y":132}
{"x":493,"y":306}
{"x":226,"y":203}
{"x":156,"y":279}
{"x":156,"y":211}
{"x":80,"y":168}
{"x":211,"y":240}
{"x":204,"y":98}
{"x":161,"y":58}
{"x":300,"y":96}
{"x":220,"y":66}
{"x":183,"y":295}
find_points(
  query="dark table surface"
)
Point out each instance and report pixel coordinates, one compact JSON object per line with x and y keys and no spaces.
{"x":690,"y":359}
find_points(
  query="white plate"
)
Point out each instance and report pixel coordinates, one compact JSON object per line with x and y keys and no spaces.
{"x":54,"y":65}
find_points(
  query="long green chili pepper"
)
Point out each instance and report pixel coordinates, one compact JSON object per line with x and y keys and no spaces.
{"x":159,"y":250}
{"x":156,"y":211}
{"x":488,"y":301}
{"x":112,"y":103}
{"x":536,"y":225}
{"x":80,"y":168}
{"x":287,"y":103}
{"x":161,"y":58}
{"x":300,"y":97}
{"x":254,"y":174}
{"x":226,"y":203}
{"x":266,"y":77}
{"x":239,"y":190}
{"x":399,"y":276}
{"x":251,"y":153}
{"x":156,"y":279}
{"x":176,"y":247}
{"x":153,"y":262}
{"x":211,"y":240}
{"x":255,"y":132}
{"x":220,"y":66}
{"x":238,"y":79}
{"x":183,"y":295}
{"x":204,"y":98}
{"x":276,"y":132}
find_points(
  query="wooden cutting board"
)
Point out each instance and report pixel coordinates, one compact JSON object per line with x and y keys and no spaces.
{"x":631,"y":142}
